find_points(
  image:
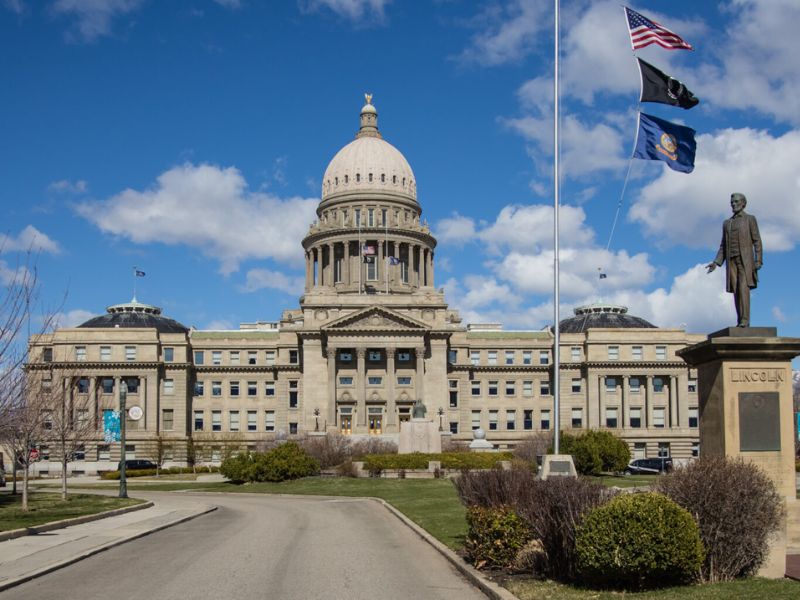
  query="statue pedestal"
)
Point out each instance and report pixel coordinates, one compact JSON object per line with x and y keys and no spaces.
{"x":745,"y":391}
{"x":419,"y":435}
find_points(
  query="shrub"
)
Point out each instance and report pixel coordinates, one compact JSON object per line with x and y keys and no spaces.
{"x":533,"y":446}
{"x":376,"y":463}
{"x":493,"y":488}
{"x":638,"y":541}
{"x":239,"y":468}
{"x":372,"y":446}
{"x":736,"y":507}
{"x":554,"y":508}
{"x":328,"y":450}
{"x":287,"y":461}
{"x":595,"y":452}
{"x":495,"y":536}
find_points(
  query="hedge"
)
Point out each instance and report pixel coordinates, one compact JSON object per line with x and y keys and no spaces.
{"x":376,"y":463}
{"x":114,"y":475}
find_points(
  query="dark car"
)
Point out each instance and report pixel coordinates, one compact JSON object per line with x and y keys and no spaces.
{"x":649,"y":466}
{"x":136,"y":464}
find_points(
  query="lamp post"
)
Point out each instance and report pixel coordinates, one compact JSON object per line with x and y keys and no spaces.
{"x":440,"y":412}
{"x":123,"y":409}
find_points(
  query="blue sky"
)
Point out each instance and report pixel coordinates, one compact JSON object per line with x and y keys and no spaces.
{"x":189,"y":138}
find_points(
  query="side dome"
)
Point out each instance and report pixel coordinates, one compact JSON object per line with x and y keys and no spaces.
{"x":135,"y":314}
{"x":369,"y":164}
{"x":602,"y":316}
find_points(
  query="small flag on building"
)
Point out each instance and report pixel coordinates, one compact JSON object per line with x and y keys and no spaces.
{"x":368,"y":250}
{"x":139,"y":273}
{"x":657,"y":86}
{"x":603,"y":276}
{"x":393,"y":260}
{"x":658,"y":139}
{"x":644,"y":32}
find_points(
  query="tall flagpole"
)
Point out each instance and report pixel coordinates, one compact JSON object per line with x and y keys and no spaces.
{"x":556,"y":320}
{"x":386,"y":261}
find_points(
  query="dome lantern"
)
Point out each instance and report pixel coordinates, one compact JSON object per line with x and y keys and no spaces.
{"x":369,"y":120}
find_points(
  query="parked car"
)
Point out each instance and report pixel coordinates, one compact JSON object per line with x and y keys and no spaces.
{"x":648,"y":466}
{"x":136,"y":464}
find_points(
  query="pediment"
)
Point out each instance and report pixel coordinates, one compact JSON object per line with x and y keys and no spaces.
{"x":375,"y":318}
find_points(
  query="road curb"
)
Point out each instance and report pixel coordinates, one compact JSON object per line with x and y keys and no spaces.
{"x":91,"y":552}
{"x":17,"y":533}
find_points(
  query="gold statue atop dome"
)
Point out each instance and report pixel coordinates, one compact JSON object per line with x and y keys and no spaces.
{"x":368,"y":98}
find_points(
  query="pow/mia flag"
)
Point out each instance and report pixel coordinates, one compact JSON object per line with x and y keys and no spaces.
{"x":657,"y":86}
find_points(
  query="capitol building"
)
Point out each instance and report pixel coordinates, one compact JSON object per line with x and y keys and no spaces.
{"x":371,"y":335}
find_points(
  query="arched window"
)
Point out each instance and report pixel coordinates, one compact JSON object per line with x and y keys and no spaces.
{"x":394,"y":178}
{"x":383,"y":177}
{"x":358,"y":177}
{"x":370,"y":177}
{"x":404,"y":182}
{"x":346,"y":178}
{"x":336,"y":179}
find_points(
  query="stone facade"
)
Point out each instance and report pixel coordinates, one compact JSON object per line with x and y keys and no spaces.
{"x":371,"y":335}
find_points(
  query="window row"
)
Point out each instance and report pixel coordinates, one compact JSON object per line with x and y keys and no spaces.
{"x":105,"y":354}
{"x":636,"y":353}
{"x":401,"y":356}
{"x":250,"y":388}
{"x":237,"y":357}
{"x":507,"y":357}
{"x":106,"y":385}
{"x":509,"y":387}
{"x":348,"y":380}
{"x":251,"y":420}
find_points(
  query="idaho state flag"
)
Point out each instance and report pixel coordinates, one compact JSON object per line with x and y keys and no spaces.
{"x":658,"y":139}
{"x":657,"y":86}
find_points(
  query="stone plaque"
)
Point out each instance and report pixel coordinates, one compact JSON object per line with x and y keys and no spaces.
{"x":759,"y":422}
{"x":559,"y":467}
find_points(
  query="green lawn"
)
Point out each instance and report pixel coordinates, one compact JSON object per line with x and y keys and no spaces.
{"x":748,"y":589}
{"x":46,"y":507}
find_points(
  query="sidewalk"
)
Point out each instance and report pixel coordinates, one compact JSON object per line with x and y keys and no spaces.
{"x":24,"y":558}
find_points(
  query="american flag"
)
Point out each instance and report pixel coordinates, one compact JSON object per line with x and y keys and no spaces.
{"x":645,"y":32}
{"x":368,"y":250}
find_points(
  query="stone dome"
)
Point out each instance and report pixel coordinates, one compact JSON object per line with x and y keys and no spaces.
{"x":135,"y":314}
{"x":369,"y":165}
{"x":602,"y":316}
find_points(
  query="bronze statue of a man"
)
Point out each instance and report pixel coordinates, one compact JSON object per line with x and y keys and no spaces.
{"x":741,"y":250}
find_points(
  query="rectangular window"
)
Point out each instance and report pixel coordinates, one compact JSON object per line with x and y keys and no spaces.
{"x":234,"y":357}
{"x":658,"y":384}
{"x":199,"y":357}
{"x":613,"y":353}
{"x":612,"y":419}
{"x":544,"y":357}
{"x":576,"y":385}
{"x":491,"y":357}
{"x":199,"y":388}
{"x":269,"y":388}
{"x":694,"y":417}
{"x":269,"y":420}
{"x":216,"y":420}
{"x":216,"y":454}
{"x":527,"y":357}
{"x":577,"y":418}
{"x":695,"y":449}
{"x":82,"y":419}
{"x":345,"y":381}
{"x":476,"y":419}
{"x":358,"y":217}
{"x":635,"y":385}
{"x":103,"y":452}
{"x":292,"y":428}
{"x":80,"y":453}
{"x":611,"y":385}
{"x":511,"y":388}
{"x":661,"y":353}
{"x":493,"y":388}
{"x":663,"y":449}
{"x":454,"y":427}
{"x":404,"y":356}
{"x":374,"y":355}
{"x":493,"y":416}
{"x":105,"y":353}
{"x":80,"y":352}
{"x":169,"y":387}
{"x":374,"y":380}
{"x":370,"y":217}
{"x":511,"y":420}
{"x":167,"y":419}
{"x":83,"y":385}
{"x":544,"y":420}
{"x":252,"y":357}
{"x":475,"y":357}
{"x":658,"y":418}
{"x":639,"y":450}
{"x":345,"y":356}
{"x":527,"y":420}
{"x":404,"y":381}
{"x":635,"y":417}
{"x":252,"y":389}
{"x":270,"y":357}
{"x":234,"y":388}
{"x":252,"y":423}
{"x":692,"y":387}
{"x":544,"y":388}
{"x":216,"y":388}
{"x":130,"y":352}
{"x":198,"y":420}
{"x":637,"y":353}
{"x":108,"y":385}
{"x":169,"y":354}
{"x":527,"y":388}
{"x":293,"y":393}
{"x":233,"y":420}
{"x":132,"y":383}
{"x":216,"y":357}
{"x":452,"y":356}
{"x":293,"y":357}
{"x":453,"y":389}
{"x":509,"y":357}
{"x":575,"y":353}
{"x":47,"y":355}
{"x":475,"y":387}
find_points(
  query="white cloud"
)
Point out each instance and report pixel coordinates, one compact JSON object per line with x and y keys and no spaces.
{"x":778,"y":314}
{"x":259,"y":279}
{"x":208,"y":208}
{"x":229,"y":3}
{"x":71,"y":318}
{"x":93,"y":18}
{"x":67,"y":186}
{"x":689,"y":209}
{"x":508,"y":33}
{"x":220,"y":325}
{"x":31,"y":239}
{"x":529,"y":228}
{"x":357,"y":11}
{"x":456,"y":230}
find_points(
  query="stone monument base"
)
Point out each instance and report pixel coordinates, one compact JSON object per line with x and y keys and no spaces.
{"x":557,"y":465}
{"x":419,"y":435}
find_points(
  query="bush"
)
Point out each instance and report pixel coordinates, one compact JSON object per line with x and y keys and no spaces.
{"x":595,"y":452}
{"x":736,"y":507}
{"x":493,"y":488}
{"x":328,"y":450}
{"x":533,"y":446}
{"x":638,"y":541}
{"x":287,"y":461}
{"x":495,"y":536}
{"x":376,"y":463}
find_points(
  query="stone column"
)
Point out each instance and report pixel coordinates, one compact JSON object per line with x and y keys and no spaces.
{"x":346,"y":274}
{"x":602,"y":404}
{"x":430,"y":268}
{"x":380,"y":268}
{"x":331,"y":265}
{"x":143,"y":401}
{"x":419,"y":351}
{"x":673,"y":401}
{"x":625,"y":409}
{"x":648,"y":402}
{"x":361,"y":386}
{"x":683,"y":389}
{"x":391,"y":379}
{"x":331,"y":355}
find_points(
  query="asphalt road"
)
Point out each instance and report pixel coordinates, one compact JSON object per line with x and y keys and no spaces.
{"x":265,"y":547}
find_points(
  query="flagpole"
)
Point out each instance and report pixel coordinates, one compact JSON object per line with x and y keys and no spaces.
{"x":556,"y":312}
{"x":360,"y":256}
{"x":135,"y":268}
{"x":386,"y":248}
